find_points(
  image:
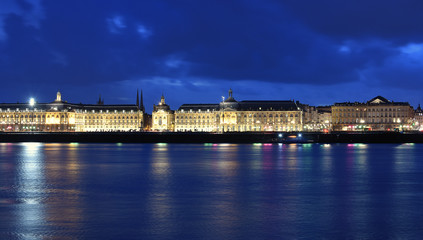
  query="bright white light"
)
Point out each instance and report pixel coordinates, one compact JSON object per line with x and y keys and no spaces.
{"x":32,"y":102}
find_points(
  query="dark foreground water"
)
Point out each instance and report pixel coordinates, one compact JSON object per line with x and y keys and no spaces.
{"x":211,"y":191}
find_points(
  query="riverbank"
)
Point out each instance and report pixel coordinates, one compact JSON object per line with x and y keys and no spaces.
{"x":197,"y":137}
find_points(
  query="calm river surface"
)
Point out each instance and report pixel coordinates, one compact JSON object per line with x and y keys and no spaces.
{"x":211,"y":191}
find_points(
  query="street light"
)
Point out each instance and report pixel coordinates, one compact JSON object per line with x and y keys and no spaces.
{"x":31,"y":102}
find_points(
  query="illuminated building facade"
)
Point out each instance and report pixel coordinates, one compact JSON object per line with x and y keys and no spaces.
{"x":324,"y":118}
{"x":378,"y":114}
{"x":197,"y":117}
{"x":418,"y":118}
{"x":61,"y":116}
{"x":316,"y":119}
{"x":244,"y":116}
{"x":163,"y":118}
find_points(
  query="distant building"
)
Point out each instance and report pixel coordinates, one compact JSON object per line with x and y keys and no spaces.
{"x":61,"y":116}
{"x":418,"y":118}
{"x":148,"y":122}
{"x":378,"y":114}
{"x":163,"y":118}
{"x":324,"y":118}
{"x":310,"y":118}
{"x":231,"y":115}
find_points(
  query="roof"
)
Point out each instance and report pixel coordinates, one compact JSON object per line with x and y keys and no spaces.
{"x":196,"y":107}
{"x":376,"y":101}
{"x":245,"y":106}
{"x":268,"y":106}
{"x":230,"y":99}
{"x":58,"y":106}
{"x":419,"y":109}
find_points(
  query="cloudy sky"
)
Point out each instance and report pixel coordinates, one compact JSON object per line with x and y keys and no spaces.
{"x":317,"y":52}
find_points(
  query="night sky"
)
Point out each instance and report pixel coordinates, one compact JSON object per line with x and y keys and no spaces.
{"x":317,"y":52}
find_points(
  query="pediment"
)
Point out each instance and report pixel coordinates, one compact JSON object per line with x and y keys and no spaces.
{"x":378,"y":100}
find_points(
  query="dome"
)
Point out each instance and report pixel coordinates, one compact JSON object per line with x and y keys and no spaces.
{"x":230,"y":99}
{"x":162,"y":105}
{"x":230,"y":102}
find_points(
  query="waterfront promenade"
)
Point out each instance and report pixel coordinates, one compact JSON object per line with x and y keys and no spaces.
{"x":202,"y":137}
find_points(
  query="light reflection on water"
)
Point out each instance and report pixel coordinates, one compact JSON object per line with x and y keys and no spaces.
{"x":29,"y":188}
{"x":216,"y":191}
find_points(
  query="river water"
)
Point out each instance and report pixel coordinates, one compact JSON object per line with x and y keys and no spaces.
{"x":211,"y":191}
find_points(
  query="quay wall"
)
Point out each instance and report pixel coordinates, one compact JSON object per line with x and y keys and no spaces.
{"x":200,"y":137}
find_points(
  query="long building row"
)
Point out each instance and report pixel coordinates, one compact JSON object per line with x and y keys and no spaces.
{"x":230,"y":115}
{"x":378,"y":114}
{"x":61,"y":116}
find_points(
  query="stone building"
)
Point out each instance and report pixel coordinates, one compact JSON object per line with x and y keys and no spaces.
{"x":197,"y":117}
{"x":61,"y":116}
{"x":324,"y":118}
{"x":310,"y":118}
{"x":378,"y":114}
{"x":418,"y":118}
{"x":243,"y":116}
{"x":163,"y":118}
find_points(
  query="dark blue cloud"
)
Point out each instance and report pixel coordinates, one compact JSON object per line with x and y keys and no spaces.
{"x":399,"y":21}
{"x":87,"y":47}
